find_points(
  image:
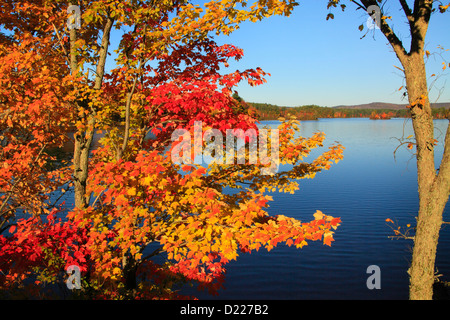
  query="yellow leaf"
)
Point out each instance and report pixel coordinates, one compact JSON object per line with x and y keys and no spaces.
{"x":131,"y":192}
{"x":147,"y":181}
{"x":116,"y":271}
{"x":318,"y":215}
{"x":302,"y":244}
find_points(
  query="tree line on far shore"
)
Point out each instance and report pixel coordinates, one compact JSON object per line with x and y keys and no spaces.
{"x":267,"y":111}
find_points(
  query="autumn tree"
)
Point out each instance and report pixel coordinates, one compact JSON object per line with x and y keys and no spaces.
{"x":433,"y":183}
{"x":132,"y":201}
{"x":32,"y":75}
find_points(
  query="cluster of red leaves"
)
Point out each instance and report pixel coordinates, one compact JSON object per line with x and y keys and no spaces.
{"x":42,"y":247}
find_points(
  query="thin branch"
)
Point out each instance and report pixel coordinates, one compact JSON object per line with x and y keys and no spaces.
{"x":61,"y":43}
{"x":10,"y":193}
{"x":395,"y":42}
{"x":95,"y":201}
{"x":360,"y":6}
{"x":401,"y":237}
{"x":103,"y":53}
{"x":407,"y":10}
{"x":127,"y":118}
{"x":154,"y":253}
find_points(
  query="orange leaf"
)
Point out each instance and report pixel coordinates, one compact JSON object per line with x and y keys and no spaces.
{"x":327,"y":240}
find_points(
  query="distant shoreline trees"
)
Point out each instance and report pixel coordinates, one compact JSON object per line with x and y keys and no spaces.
{"x":267,"y":111}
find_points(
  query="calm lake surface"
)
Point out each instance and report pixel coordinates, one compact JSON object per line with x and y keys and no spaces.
{"x":364,"y":189}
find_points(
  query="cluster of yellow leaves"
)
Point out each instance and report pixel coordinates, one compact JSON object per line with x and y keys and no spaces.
{"x":148,"y":199}
{"x":223,"y":17}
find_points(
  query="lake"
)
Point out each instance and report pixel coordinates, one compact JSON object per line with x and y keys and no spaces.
{"x":368,"y":186}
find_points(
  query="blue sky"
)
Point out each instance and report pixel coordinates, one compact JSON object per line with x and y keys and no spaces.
{"x":314,"y":61}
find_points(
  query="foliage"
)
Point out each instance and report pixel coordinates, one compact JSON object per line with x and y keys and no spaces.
{"x":139,"y":205}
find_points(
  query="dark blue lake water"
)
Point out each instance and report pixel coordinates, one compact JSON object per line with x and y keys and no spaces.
{"x":368,"y":186}
{"x":364,"y":189}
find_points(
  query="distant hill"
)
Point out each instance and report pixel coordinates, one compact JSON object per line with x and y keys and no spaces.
{"x":390,"y":106}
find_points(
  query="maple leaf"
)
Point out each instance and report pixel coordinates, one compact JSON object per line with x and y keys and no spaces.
{"x":318,"y":215}
{"x":328,"y":239}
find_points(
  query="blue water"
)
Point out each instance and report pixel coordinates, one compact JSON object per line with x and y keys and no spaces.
{"x":368,"y":186}
{"x":364,"y":189}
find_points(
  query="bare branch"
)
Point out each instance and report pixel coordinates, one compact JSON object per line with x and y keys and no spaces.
{"x":394,"y":41}
{"x":407,"y":10}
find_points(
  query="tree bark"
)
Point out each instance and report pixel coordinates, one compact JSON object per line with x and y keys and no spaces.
{"x":82,"y":147}
{"x":433,"y":185}
{"x":83,"y":139}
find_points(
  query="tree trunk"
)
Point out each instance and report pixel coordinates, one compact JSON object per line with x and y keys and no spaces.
{"x":433,"y":187}
{"x":83,"y":139}
{"x":424,"y":253}
{"x":432,"y":193}
{"x":129,"y":268}
{"x":82,"y":146}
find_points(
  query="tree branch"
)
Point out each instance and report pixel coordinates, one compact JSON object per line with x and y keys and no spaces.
{"x":103,"y":53}
{"x":127,"y":118}
{"x":394,"y":41}
{"x":154,"y":253}
{"x":360,"y":6}
{"x":409,"y":15}
{"x":60,"y":42}
{"x":443,"y":178}
{"x":421,"y":16}
{"x":406,"y":10}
